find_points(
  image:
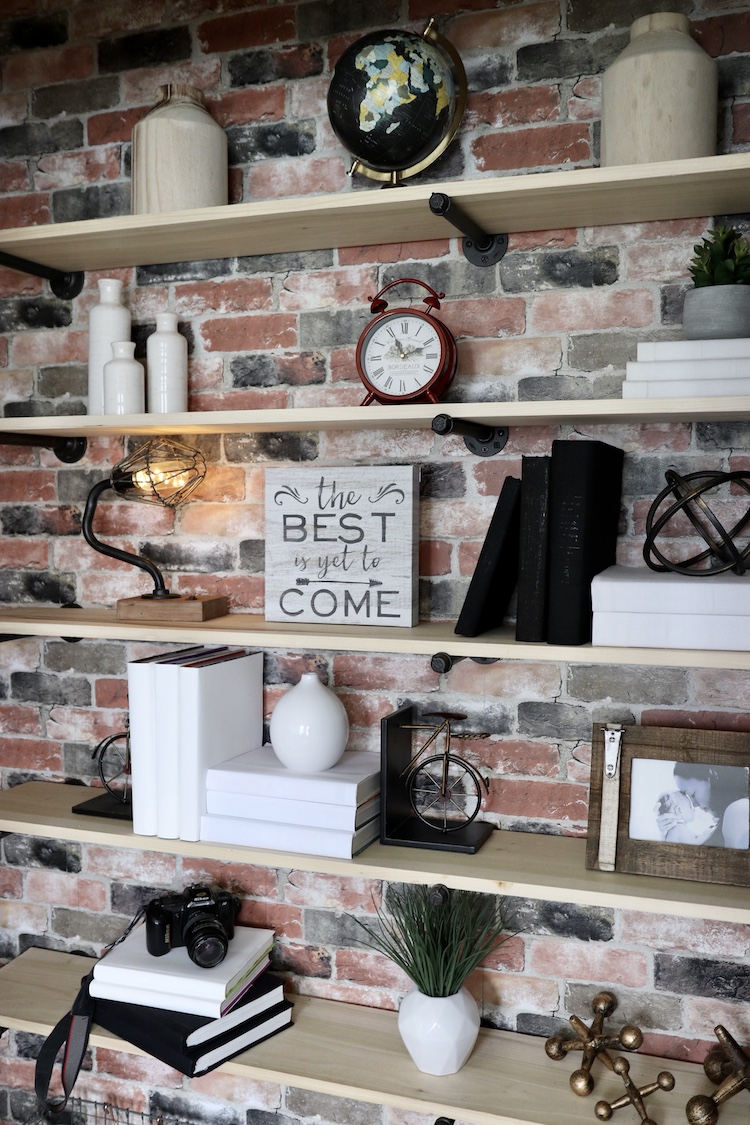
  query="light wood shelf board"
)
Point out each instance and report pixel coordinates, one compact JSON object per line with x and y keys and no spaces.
{"x":419,"y":417}
{"x":351,"y":1051}
{"x":424,"y":639}
{"x":518,"y":864}
{"x":537,"y":201}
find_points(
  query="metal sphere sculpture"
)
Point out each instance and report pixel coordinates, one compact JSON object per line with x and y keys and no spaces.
{"x":687,"y":494}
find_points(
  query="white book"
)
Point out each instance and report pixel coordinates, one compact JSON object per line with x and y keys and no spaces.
{"x":637,"y":589}
{"x":220,"y":709}
{"x":288,"y":837}
{"x":671,"y":630}
{"x":130,"y":963}
{"x":694,"y":349}
{"x":686,"y":388}
{"x":731,"y":368}
{"x":314,"y":814}
{"x":176,"y":1002}
{"x":354,"y":778}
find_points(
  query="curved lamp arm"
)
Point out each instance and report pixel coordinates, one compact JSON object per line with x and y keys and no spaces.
{"x":160,"y":589}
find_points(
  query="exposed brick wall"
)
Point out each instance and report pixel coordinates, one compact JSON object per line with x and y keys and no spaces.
{"x":558,"y":318}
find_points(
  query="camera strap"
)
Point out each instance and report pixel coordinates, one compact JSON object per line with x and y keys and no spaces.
{"x":72,"y":1031}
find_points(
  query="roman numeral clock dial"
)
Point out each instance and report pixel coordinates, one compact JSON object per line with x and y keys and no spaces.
{"x":406,"y":355}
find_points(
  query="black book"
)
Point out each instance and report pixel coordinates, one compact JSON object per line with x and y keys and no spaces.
{"x":195,"y":1044}
{"x":496,"y":573}
{"x":531,"y":613}
{"x":585,"y":490}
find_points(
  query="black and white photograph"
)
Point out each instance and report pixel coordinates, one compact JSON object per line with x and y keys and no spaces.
{"x":690,"y":803}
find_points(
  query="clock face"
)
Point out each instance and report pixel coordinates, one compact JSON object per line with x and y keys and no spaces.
{"x":401,"y":353}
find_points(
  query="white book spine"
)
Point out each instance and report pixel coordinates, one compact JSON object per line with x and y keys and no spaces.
{"x":166,"y":717}
{"x":288,"y":837}
{"x":630,"y":589}
{"x":152,"y":998}
{"x":262,"y":774}
{"x":651,"y":350}
{"x":142,"y":748}
{"x":687,"y":388}
{"x":313,"y":814}
{"x":671,"y":630}
{"x":736,"y":368}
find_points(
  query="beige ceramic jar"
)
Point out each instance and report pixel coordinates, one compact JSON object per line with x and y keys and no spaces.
{"x":659,"y":97}
{"x":179,"y":156}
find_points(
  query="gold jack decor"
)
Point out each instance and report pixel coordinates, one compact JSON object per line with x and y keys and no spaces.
{"x":593,"y":1042}
{"x":633,"y":1095}
{"x":729,"y":1067}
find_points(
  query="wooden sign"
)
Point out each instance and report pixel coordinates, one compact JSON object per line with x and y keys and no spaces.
{"x":341,"y":545}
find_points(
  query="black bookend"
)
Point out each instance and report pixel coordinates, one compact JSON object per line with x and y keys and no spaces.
{"x":531,"y":612}
{"x":585,"y":490}
{"x":399,"y":824}
{"x":496,"y":573}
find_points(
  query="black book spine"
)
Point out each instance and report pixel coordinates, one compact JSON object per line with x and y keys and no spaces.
{"x":531,"y":613}
{"x":496,"y":573}
{"x":585,"y":490}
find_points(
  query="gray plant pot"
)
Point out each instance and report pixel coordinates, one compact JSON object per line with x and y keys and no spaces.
{"x":716,"y":312}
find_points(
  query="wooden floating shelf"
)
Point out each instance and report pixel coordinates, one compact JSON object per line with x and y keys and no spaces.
{"x":499,"y":205}
{"x":321,"y":418}
{"x":519,"y":864}
{"x":425,"y":639}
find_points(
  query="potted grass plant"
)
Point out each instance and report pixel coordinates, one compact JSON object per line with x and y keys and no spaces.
{"x":718,"y":307}
{"x":437,"y":937}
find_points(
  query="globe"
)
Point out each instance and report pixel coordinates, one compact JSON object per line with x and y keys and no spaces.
{"x":395,"y":101}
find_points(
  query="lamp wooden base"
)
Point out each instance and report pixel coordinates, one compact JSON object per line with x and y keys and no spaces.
{"x":165,"y":611}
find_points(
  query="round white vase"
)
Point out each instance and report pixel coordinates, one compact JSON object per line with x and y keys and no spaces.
{"x":166,"y":367}
{"x":109,"y":321}
{"x":439,"y":1032}
{"x":124,"y":381}
{"x":309,"y":726}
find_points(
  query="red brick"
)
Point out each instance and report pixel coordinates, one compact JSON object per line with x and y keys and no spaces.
{"x":3,"y":352}
{"x":134,"y":1068}
{"x":305,"y":960}
{"x":79,"y":725}
{"x":360,"y":670}
{"x":536,"y":147}
{"x":489,"y":475}
{"x":367,"y":708}
{"x":696,"y":720}
{"x":592,"y":962}
{"x":47,"y":347}
{"x":676,"y":1047}
{"x":348,"y":993}
{"x":510,"y":992}
{"x":312,"y":888}
{"x":540,"y":239}
{"x":258,"y":103}
{"x":501,"y":315}
{"x":14,"y":176}
{"x":724,"y":35}
{"x":61,"y":888}
{"x":236,"y":1090}
{"x":25,"y":485}
{"x":625,"y":234}
{"x":408,"y":445}
{"x":11,"y":882}
{"x":741,"y":123}
{"x":702,"y":1015}
{"x":655,"y":261}
{"x":528,"y":23}
{"x":152,"y":868}
{"x":111,"y":694}
{"x":139,"y":87}
{"x":235,"y":33}
{"x":66,"y":169}
{"x":510,"y":955}
{"x":250,"y":333}
{"x":30,"y":69}
{"x":31,"y":754}
{"x":546,"y":800}
{"x":692,"y":935}
{"x":24,"y":917}
{"x":366,"y":967}
{"x":394,"y":252}
{"x":468,"y":555}
{"x":586,"y":101}
{"x":239,"y":294}
{"x":25,"y":210}
{"x":19,"y":719}
{"x":507,"y":679}
{"x":327,"y":288}
{"x":32,"y":553}
{"x":285,"y":920}
{"x":240,"y":878}
{"x":254,"y":399}
{"x":519,"y":106}
{"x":113,"y":126}
{"x":238,"y":520}
{"x":271,"y":179}
{"x":94,"y":20}
{"x":584,"y":310}
{"x":435,"y":557}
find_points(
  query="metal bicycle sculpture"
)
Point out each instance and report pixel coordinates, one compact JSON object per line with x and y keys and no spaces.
{"x":445,"y":791}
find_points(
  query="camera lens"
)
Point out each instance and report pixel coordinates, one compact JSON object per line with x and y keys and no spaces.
{"x":206,"y":942}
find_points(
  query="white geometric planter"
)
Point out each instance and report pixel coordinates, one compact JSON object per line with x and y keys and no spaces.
{"x":439,"y":1032}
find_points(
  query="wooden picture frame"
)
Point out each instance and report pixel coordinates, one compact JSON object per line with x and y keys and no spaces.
{"x":665,"y":801}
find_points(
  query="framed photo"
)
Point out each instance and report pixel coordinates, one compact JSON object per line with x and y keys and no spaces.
{"x":670,"y":802}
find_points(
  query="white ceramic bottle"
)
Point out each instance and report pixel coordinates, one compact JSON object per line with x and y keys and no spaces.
{"x":124,"y":381}
{"x":660,"y":96}
{"x":309,"y":726}
{"x":166,"y":367}
{"x":109,"y":321}
{"x":179,"y":154}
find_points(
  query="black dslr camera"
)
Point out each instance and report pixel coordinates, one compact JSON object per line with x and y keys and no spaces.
{"x":199,"y":918}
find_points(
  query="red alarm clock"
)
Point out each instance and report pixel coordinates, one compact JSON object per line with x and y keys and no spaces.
{"x":406,"y":355}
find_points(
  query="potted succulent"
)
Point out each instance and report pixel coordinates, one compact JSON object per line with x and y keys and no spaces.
{"x":719,"y":305}
{"x":438,"y":937}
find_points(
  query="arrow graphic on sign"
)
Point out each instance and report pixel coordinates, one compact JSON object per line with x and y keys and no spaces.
{"x":337,"y":582}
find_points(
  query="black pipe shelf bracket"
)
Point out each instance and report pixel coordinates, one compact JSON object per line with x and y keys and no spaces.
{"x":442,"y":662}
{"x":480,"y":248}
{"x":67,"y":449}
{"x":479,"y":438}
{"x":64,"y":284}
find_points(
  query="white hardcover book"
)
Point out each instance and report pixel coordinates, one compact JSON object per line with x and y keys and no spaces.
{"x":686,"y":388}
{"x":640,"y":372}
{"x":637,"y":589}
{"x":671,"y":630}
{"x":354,"y":778}
{"x":175,"y":1001}
{"x":288,"y":837}
{"x":650,"y":350}
{"x":130,"y":963}
{"x":314,"y":814}
{"x":220,"y":709}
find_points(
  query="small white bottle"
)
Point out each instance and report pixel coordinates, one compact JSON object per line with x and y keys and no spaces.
{"x":124,"y":381}
{"x":109,"y":321}
{"x":166,"y":367}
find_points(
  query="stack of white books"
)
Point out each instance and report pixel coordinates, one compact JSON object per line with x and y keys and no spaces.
{"x":254,"y":800}
{"x":638,"y":607}
{"x":689,"y":369}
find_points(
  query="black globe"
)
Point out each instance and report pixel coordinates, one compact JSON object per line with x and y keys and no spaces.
{"x":394,"y":99}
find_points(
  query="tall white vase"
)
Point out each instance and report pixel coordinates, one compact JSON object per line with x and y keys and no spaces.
{"x":124,"y":381}
{"x":109,"y":322}
{"x":660,"y":96}
{"x":166,"y":367}
{"x":439,"y":1032}
{"x":309,"y":726}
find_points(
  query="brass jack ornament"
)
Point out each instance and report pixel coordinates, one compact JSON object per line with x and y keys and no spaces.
{"x":594,"y":1043}
{"x":633,"y":1095}
{"x":729,"y":1067}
